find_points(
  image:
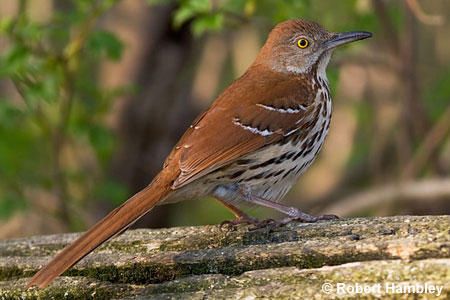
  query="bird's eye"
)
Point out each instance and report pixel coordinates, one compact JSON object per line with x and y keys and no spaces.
{"x":302,"y":43}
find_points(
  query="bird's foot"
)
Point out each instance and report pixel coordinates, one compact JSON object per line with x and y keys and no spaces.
{"x":293,"y":213}
{"x":304,"y":218}
{"x":232,"y":225}
{"x":270,"y":223}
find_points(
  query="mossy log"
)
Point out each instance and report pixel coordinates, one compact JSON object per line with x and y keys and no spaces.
{"x":290,"y":262}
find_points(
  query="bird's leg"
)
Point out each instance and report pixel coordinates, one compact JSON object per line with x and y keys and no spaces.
{"x":239,"y":214}
{"x":241,"y":217}
{"x":293,"y":213}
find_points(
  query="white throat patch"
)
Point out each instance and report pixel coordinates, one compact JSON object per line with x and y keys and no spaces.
{"x":321,"y":70}
{"x":322,"y":67}
{"x":297,"y":70}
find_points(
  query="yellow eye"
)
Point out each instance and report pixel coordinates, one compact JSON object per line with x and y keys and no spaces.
{"x":302,"y":43}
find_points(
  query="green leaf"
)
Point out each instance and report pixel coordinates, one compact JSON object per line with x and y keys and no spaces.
{"x":8,"y":113}
{"x":182,"y":15}
{"x":28,"y":31}
{"x":190,"y":9}
{"x":104,"y":42}
{"x":5,"y":24}
{"x":14,"y":61}
{"x":207,"y":23}
{"x":159,"y":2}
{"x":198,"y":5}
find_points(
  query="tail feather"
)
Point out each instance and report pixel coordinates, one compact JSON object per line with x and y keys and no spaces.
{"x":114,"y":223}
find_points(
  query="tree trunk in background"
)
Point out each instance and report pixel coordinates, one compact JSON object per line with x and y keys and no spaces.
{"x":152,"y":120}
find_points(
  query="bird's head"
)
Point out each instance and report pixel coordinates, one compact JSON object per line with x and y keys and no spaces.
{"x":296,"y":46}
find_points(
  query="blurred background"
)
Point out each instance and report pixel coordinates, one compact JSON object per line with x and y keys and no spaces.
{"x":93,"y":95}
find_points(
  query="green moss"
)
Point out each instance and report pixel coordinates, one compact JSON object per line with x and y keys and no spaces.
{"x":10,"y":273}
{"x":65,"y":288}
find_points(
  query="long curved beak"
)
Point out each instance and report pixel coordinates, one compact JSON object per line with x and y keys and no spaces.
{"x":346,"y":37}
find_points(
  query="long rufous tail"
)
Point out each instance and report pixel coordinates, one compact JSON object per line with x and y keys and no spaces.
{"x":114,"y":223}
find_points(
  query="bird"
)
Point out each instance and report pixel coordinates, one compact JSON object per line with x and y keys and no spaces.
{"x":251,"y":145}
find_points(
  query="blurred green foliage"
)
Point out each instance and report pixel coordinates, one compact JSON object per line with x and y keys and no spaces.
{"x":52,"y":66}
{"x":62,"y":107}
{"x":208,"y":15}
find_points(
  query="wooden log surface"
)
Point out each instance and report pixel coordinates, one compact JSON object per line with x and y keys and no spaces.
{"x":297,"y":261}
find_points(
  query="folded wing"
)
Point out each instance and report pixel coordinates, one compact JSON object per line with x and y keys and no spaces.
{"x":250,"y":114}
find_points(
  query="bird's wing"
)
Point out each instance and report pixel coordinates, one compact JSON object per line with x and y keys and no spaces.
{"x":250,"y":114}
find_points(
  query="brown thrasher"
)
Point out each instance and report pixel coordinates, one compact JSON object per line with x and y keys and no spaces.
{"x":250,"y":146}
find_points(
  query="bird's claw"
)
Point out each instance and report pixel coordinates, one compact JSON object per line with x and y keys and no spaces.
{"x":232,"y":225}
{"x":280,"y":223}
{"x":264,"y":223}
{"x":308,"y":219}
